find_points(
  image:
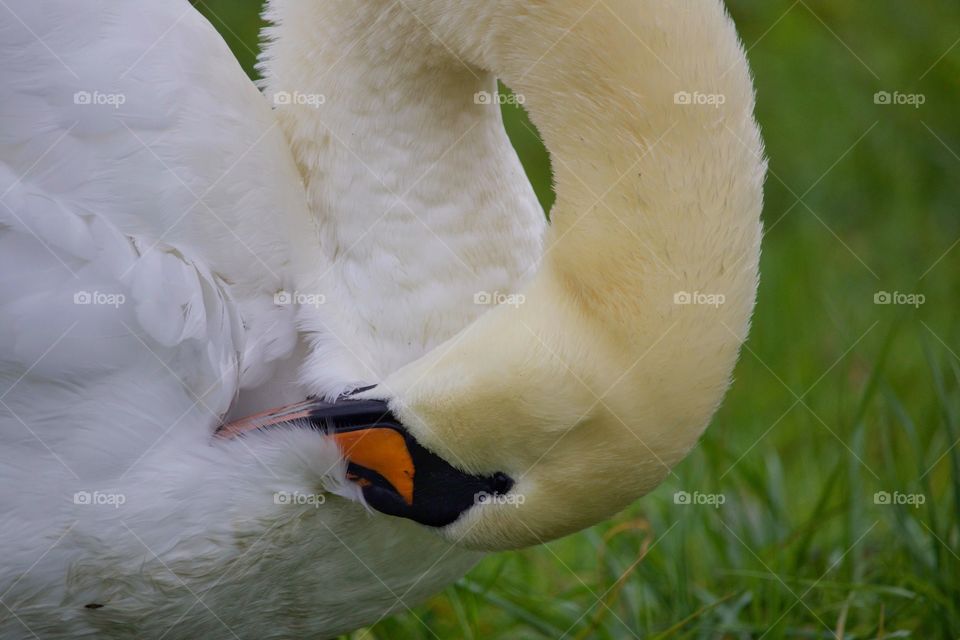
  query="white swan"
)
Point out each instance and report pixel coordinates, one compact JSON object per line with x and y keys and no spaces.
{"x":125,"y":518}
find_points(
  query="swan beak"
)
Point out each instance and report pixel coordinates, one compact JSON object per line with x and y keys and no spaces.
{"x":398,"y":476}
{"x":369,"y":437}
{"x":382,"y":451}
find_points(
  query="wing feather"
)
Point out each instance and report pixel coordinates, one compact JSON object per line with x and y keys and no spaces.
{"x":147,"y":206}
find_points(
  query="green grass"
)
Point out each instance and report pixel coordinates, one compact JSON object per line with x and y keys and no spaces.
{"x":836,"y":398}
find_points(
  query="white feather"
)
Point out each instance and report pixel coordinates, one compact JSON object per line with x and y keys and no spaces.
{"x":378,"y":208}
{"x":150,"y":211}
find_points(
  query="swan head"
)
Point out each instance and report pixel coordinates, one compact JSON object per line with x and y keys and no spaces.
{"x":492,"y":461}
{"x":576,"y":420}
{"x":400,"y":477}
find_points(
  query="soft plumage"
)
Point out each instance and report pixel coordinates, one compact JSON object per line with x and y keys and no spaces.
{"x":335,"y":241}
{"x":176,"y":219}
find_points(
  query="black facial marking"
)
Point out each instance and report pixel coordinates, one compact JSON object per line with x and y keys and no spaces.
{"x":441,"y":492}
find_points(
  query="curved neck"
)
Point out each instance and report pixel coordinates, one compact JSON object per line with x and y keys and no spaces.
{"x":630,"y":331}
{"x":646,"y":109}
{"x":368,"y":120}
{"x":419,"y":198}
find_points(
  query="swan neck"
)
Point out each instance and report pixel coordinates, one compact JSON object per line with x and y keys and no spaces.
{"x":417,"y":196}
{"x":625,"y":343}
{"x":646,"y":110}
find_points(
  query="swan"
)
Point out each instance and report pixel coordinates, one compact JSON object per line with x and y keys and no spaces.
{"x":177,"y":255}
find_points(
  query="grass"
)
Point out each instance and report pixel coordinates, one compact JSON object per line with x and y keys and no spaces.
{"x":836,"y":398}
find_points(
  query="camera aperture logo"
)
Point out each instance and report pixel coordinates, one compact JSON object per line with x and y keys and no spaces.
{"x":285,"y":298}
{"x":98,"y":99}
{"x":896,"y":297}
{"x":299,"y":498}
{"x":699,"y":99}
{"x":697,"y":498}
{"x":896,"y":498}
{"x":495,"y":298}
{"x":99,"y":298}
{"x":99,"y":498}
{"x":915,"y":100}
{"x":285,"y":98}
{"x":512,"y":499}
{"x":699,"y":298}
{"x":485,"y":97}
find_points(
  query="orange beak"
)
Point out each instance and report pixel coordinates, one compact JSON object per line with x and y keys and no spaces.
{"x":367,"y":445}
{"x":383,"y":451}
{"x":398,"y":475}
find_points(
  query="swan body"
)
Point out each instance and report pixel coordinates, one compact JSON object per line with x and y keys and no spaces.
{"x":380,"y":208}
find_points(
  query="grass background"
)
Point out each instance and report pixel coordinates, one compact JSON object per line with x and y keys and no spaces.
{"x":836,"y":397}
